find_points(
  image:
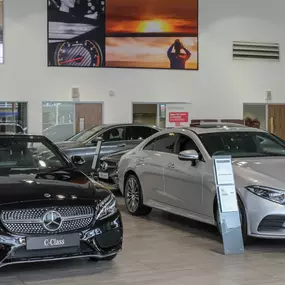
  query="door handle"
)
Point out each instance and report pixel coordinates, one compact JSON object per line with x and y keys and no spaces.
{"x":171,"y":165}
{"x":122,"y":145}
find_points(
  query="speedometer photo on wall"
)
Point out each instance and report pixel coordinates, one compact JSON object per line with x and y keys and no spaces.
{"x":76,"y":33}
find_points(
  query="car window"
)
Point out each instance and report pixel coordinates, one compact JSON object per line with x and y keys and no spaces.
{"x":166,"y":143}
{"x":86,"y":134}
{"x":10,"y":128}
{"x":28,"y":154}
{"x":242,"y":144}
{"x":185,"y":143}
{"x":139,"y":132}
{"x":150,"y":145}
{"x":114,"y":134}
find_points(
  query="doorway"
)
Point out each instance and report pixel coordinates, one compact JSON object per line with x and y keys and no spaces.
{"x":157,"y":113}
{"x":62,"y":120}
{"x":276,"y":120}
{"x":87,"y":115}
{"x":254,"y":115}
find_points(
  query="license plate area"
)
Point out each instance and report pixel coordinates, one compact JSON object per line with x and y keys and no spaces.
{"x":52,"y":242}
{"x":103,"y":175}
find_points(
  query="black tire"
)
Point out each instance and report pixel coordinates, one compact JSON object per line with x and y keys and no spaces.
{"x":243,"y":221}
{"x":109,"y":258}
{"x":134,"y":198}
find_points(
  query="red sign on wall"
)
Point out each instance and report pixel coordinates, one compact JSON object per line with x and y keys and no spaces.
{"x":178,"y":117}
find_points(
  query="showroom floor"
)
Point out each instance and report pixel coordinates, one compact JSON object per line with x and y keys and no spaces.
{"x":162,"y":249}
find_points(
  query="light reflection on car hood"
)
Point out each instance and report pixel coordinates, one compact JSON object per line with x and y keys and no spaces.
{"x":266,"y":171}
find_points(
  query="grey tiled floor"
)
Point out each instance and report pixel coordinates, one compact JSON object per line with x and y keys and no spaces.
{"x":162,"y":249}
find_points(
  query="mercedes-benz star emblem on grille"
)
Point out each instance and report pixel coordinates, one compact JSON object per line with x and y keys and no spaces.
{"x":52,"y":221}
{"x":104,"y":166}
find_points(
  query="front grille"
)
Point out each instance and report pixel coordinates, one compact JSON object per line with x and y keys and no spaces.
{"x":30,"y":221}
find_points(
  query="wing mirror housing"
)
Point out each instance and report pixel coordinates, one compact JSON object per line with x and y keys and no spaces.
{"x":189,"y":155}
{"x":78,"y":160}
{"x":96,"y":140}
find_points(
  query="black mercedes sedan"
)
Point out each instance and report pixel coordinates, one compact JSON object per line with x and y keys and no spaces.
{"x":50,"y":210}
{"x":116,"y":137}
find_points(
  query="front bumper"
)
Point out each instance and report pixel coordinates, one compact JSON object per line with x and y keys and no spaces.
{"x":109,"y":179}
{"x":265,"y":219}
{"x":103,"y":240}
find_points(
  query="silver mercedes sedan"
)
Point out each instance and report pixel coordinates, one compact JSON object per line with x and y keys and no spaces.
{"x":173,"y":171}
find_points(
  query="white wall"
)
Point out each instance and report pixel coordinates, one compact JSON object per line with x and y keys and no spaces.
{"x":216,"y":90}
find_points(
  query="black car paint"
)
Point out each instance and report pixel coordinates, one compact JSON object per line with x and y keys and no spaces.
{"x":112,"y":160}
{"x":63,"y":187}
{"x":87,"y":148}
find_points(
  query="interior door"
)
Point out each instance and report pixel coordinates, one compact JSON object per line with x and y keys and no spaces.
{"x":183,"y":180}
{"x":87,"y":115}
{"x":276,"y":119}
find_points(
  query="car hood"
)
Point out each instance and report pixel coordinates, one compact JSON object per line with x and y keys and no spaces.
{"x":268,"y":171}
{"x":65,"y":186}
{"x":68,"y":145}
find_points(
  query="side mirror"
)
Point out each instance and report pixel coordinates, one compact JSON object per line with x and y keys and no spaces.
{"x":96,"y":140}
{"x":78,"y":160}
{"x":189,"y":155}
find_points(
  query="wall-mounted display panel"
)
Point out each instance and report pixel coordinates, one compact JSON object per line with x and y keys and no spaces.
{"x":1,"y":31}
{"x":62,"y":120}
{"x":13,"y":117}
{"x":154,"y":34}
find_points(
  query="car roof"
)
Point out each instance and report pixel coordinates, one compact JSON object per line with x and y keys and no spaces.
{"x":131,"y":125}
{"x":9,"y":123}
{"x":17,"y":135}
{"x":222,"y":129}
{"x":215,"y":124}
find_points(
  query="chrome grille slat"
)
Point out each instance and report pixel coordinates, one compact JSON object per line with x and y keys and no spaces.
{"x":29,"y":221}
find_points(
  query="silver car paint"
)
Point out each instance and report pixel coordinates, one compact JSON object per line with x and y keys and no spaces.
{"x":190,"y":190}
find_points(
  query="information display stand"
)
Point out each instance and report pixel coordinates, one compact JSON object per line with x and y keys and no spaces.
{"x":96,"y":154}
{"x":229,"y":217}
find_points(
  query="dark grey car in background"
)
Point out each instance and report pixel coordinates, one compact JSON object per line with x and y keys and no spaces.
{"x":117,"y":137}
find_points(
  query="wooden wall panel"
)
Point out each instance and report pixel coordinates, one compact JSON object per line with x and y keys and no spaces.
{"x":90,"y":112}
{"x":276,"y":120}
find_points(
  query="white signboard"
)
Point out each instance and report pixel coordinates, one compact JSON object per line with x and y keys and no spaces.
{"x":228,"y":198}
{"x":224,"y":171}
{"x":177,"y":115}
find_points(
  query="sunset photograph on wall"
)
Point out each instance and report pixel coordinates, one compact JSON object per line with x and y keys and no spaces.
{"x":154,"y":34}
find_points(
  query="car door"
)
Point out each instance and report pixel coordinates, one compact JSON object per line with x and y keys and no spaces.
{"x":183,"y":180}
{"x":136,"y":134}
{"x":113,"y":141}
{"x":155,"y":155}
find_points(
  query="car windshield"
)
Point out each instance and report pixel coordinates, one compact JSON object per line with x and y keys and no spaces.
{"x":28,"y":155}
{"x":243,"y":144}
{"x":10,"y":128}
{"x":85,"y":135}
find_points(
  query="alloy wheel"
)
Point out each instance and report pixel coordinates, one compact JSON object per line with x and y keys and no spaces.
{"x":132,"y":194}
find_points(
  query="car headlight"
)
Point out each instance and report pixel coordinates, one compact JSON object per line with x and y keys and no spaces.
{"x":271,"y":194}
{"x":106,"y":208}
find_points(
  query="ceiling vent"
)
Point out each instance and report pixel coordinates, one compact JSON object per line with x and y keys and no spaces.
{"x":252,"y":50}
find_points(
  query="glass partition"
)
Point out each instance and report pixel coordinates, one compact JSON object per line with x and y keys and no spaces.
{"x":62,"y":120}
{"x":58,"y":120}
{"x":13,"y":117}
{"x":255,"y":115}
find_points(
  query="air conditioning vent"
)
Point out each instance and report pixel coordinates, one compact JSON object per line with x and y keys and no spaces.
{"x":251,"y":50}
